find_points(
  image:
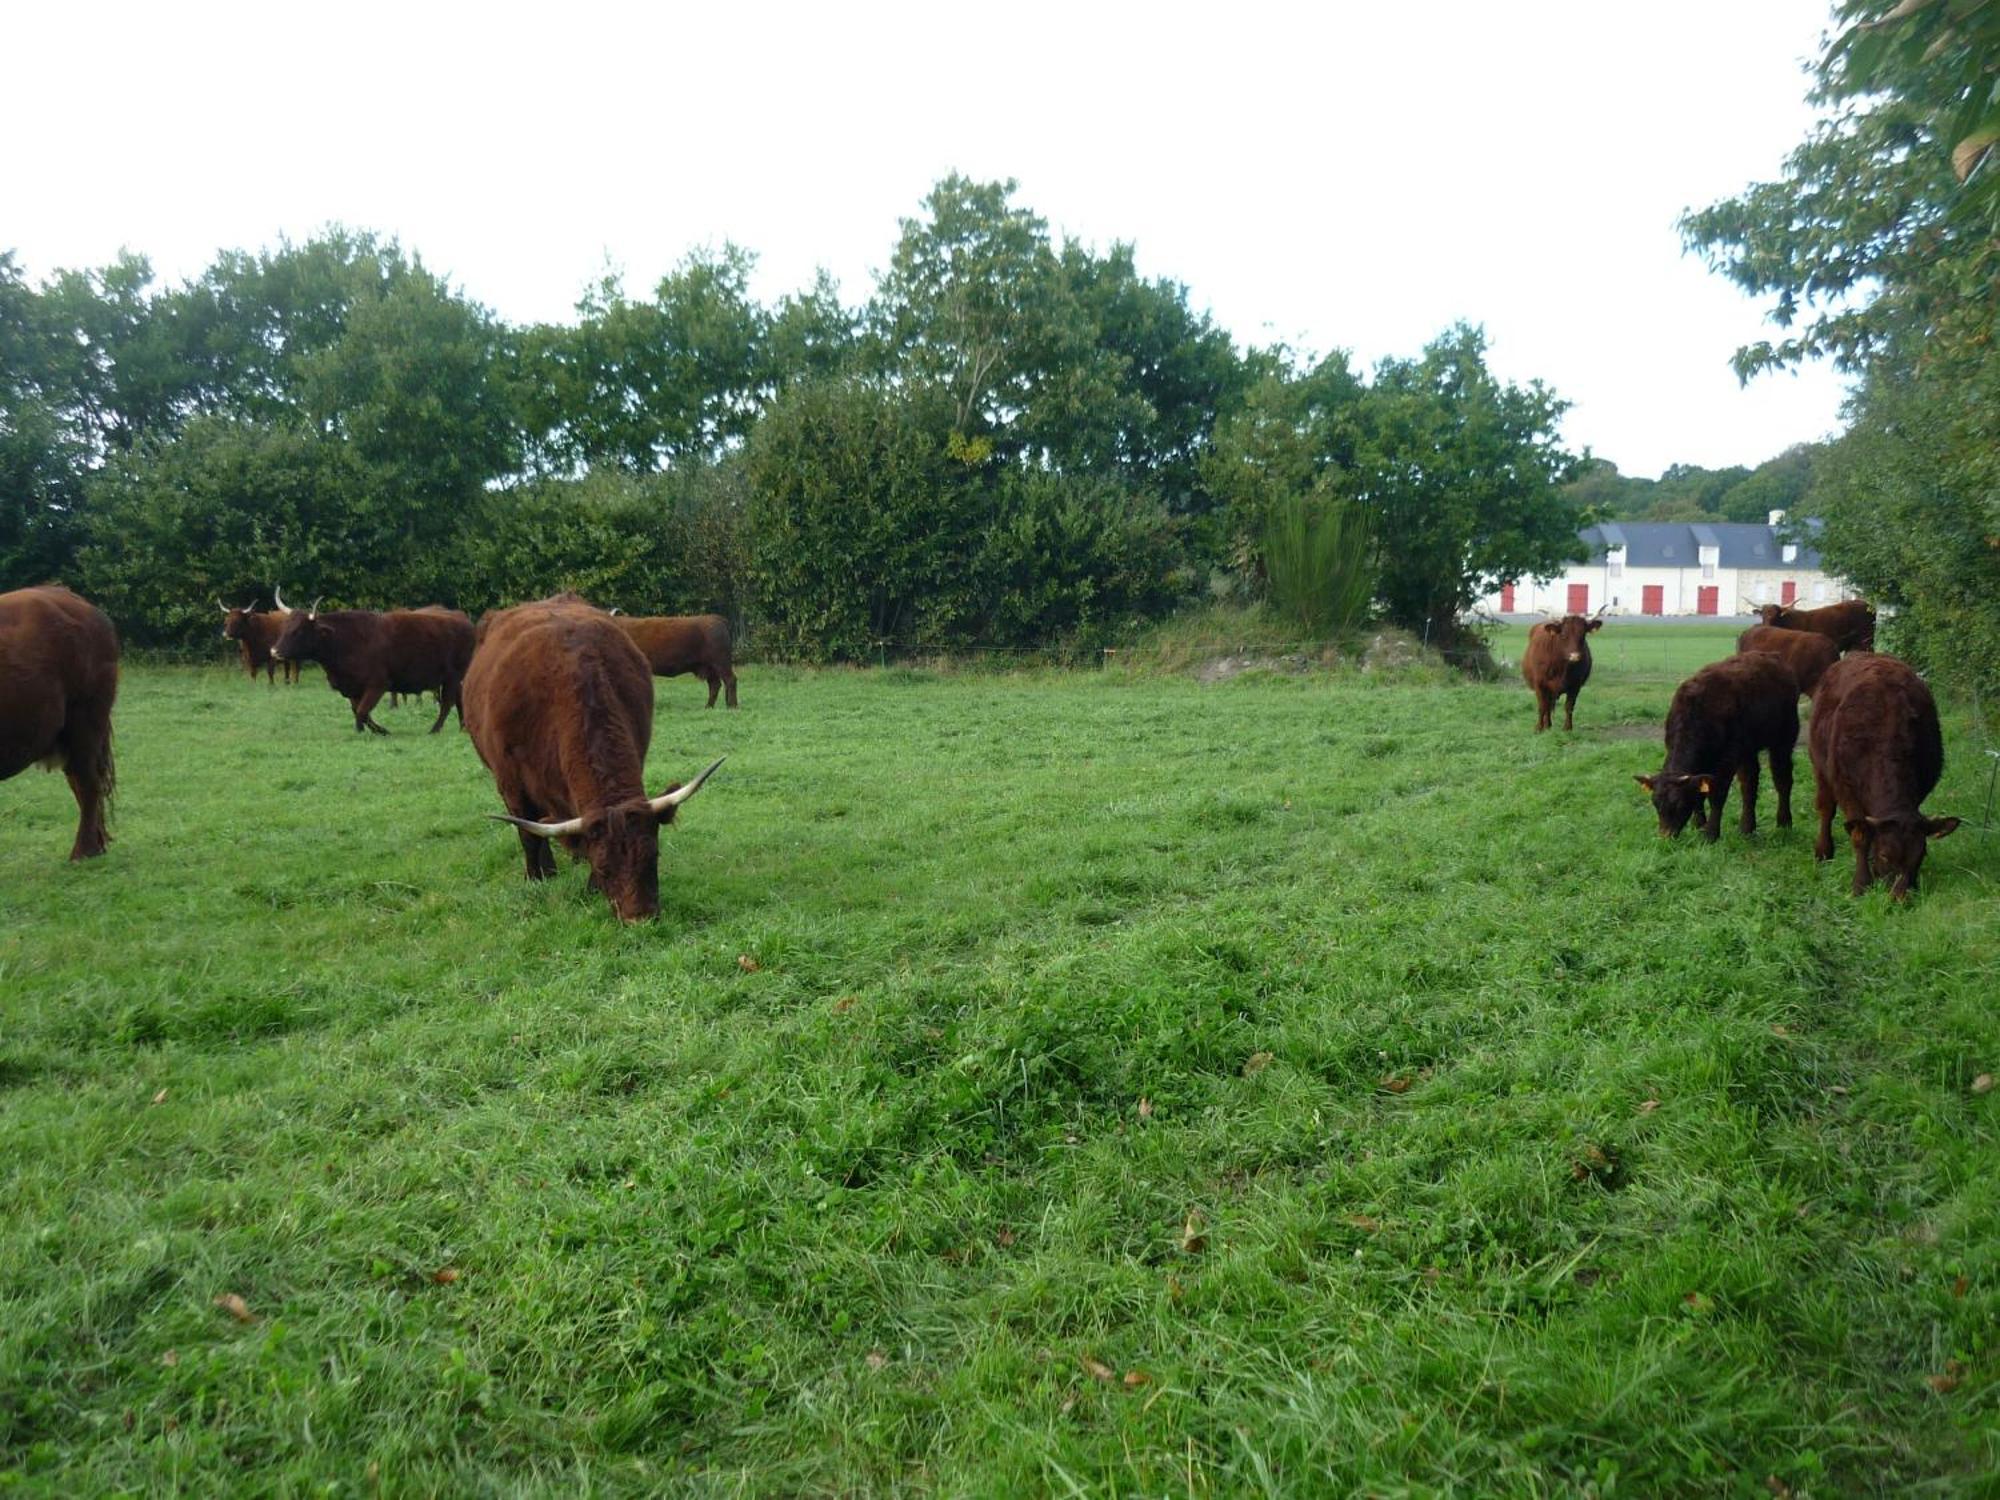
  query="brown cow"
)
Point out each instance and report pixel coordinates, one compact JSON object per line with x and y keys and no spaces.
{"x":1719,"y":719}
{"x":1850,"y":625}
{"x":674,"y":644}
{"x":1876,"y":754}
{"x":58,"y":680}
{"x":1806,"y":652}
{"x":1556,"y":665}
{"x":368,"y":654}
{"x":559,"y":704}
{"x":255,"y":633}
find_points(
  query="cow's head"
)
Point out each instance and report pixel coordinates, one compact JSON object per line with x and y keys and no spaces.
{"x":1677,"y":796}
{"x":232,"y":618}
{"x":1570,"y":633}
{"x":1774,"y":614}
{"x":622,"y":844}
{"x":303,"y":635}
{"x":1894,"y":847}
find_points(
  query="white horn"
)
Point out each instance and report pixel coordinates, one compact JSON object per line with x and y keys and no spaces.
{"x":279,"y":594}
{"x":221,"y":606}
{"x":678,"y":795}
{"x":546,"y":830}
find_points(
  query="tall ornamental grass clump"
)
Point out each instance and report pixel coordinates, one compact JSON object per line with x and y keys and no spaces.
{"x":1316,"y":564}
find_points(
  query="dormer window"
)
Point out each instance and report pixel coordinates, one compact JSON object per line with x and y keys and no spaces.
{"x":1710,"y":556}
{"x":1791,"y":552}
{"x":1615,"y":562}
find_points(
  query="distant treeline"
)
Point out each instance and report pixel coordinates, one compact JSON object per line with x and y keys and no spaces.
{"x":1688,"y":492}
{"x":1011,"y":441}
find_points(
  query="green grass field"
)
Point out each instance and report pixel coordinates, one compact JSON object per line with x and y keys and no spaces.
{"x":1080,"y":1083}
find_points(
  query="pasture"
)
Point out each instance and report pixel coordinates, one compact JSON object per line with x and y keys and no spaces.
{"x":1080,"y":1083}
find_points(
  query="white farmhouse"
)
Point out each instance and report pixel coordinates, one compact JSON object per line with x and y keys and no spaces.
{"x":1677,"y":568}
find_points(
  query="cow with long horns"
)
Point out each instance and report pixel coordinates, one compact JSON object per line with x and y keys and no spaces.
{"x":367,"y":654}
{"x":1556,"y":665}
{"x":559,"y":704}
{"x":58,"y":680}
{"x":255,"y":633}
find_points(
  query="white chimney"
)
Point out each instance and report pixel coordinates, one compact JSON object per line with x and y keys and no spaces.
{"x":1776,"y":517}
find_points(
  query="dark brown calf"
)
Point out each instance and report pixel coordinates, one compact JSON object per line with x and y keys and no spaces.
{"x":1850,"y":625}
{"x":559,"y":704}
{"x":673,"y":644}
{"x":1720,"y":718}
{"x":1806,"y":652}
{"x":1557,"y":665}
{"x":58,"y":680}
{"x":368,"y":654}
{"x":1877,"y":753}
{"x":255,"y":633}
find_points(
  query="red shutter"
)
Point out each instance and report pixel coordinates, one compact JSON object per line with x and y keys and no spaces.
{"x":1653,"y":599}
{"x":1507,"y":599}
{"x":1579,"y":598}
{"x":1789,"y":592}
{"x":1706,"y":599}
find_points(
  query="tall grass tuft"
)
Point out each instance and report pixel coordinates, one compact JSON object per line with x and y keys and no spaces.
{"x":1317,"y":565}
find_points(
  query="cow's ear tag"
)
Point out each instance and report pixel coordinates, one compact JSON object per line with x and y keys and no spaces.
{"x":1703,"y":786}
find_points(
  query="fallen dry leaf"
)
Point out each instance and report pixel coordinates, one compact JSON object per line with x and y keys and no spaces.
{"x":1395,"y":1083}
{"x":1175,"y":1291}
{"x":1363,"y":1221}
{"x":1780,"y":1031}
{"x":1096,"y":1369}
{"x":1777,"y":1487}
{"x":1961,"y":1286}
{"x":1647,"y":1106}
{"x":1696,"y":1302}
{"x":747,"y":964}
{"x":1005,"y":1238}
{"x":1136,"y":1378}
{"x":235,"y":1306}
{"x":445,"y":1276}
{"x":1943,"y":1384}
{"x":877,"y":1359}
{"x":161,"y":1097}
{"x":1194,"y":1233}
{"x":1983,"y":1084}
{"x":1433,"y":1273}
{"x":170,"y":1359}
{"x":843,"y":1005}
{"x":1257,"y":1063}
{"x":1145,"y":1109}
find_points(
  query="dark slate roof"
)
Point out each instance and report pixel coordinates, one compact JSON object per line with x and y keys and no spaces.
{"x":1677,"y":544}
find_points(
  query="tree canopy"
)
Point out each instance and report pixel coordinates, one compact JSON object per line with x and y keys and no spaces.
{"x":1877,"y":249}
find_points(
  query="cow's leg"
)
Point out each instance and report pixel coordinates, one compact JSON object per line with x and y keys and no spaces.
{"x":88,"y":768}
{"x":1746,"y":781}
{"x":729,"y":686}
{"x":1823,"y":805}
{"x":1858,"y":837}
{"x":447,"y":695}
{"x":1781,"y":778}
{"x":1569,"y":708}
{"x":364,"y":710}
{"x":1711,"y":828}
{"x":714,"y":680}
{"x":1544,"y":709}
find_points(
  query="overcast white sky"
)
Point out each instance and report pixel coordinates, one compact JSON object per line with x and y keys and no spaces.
{"x":1335,"y":175}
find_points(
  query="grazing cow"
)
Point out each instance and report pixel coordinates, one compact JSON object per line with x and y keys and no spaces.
{"x":255,"y":633}
{"x":1720,"y":718}
{"x":674,"y":644}
{"x":1850,"y":625}
{"x":1806,"y":652}
{"x":368,"y":654}
{"x":58,"y":679}
{"x":1557,"y":665}
{"x":559,"y":704}
{"x":1876,"y":754}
